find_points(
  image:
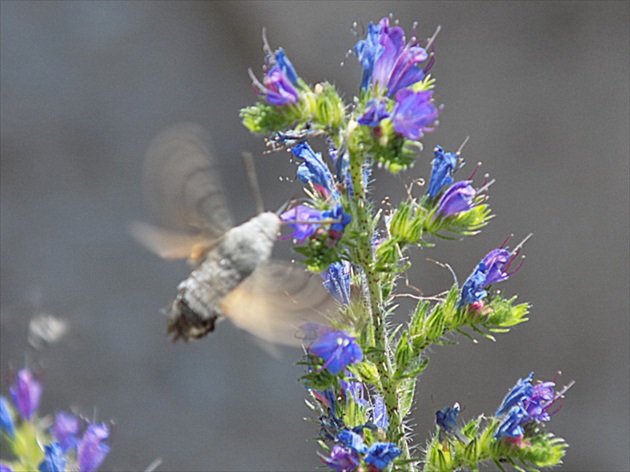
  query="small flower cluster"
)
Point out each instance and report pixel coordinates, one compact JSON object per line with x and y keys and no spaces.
{"x":35,"y":446}
{"x":519,"y":422}
{"x":361,"y":371}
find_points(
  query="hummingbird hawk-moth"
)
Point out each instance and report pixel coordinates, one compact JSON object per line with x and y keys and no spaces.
{"x":234,"y":276}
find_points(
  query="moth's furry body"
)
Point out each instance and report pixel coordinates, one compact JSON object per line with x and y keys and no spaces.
{"x":199,"y":297}
{"x":234,"y":276}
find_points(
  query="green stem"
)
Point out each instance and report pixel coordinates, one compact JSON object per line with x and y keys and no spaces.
{"x":364,"y":257}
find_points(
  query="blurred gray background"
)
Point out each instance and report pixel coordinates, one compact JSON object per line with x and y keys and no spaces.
{"x":542,"y":90}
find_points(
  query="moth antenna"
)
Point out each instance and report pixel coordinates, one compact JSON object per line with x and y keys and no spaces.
{"x":250,"y":168}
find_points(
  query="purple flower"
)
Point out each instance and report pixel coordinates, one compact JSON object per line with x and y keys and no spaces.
{"x":54,"y":460}
{"x":387,"y":61}
{"x":526,"y":403}
{"x":337,"y":281}
{"x":492,"y":269}
{"x":375,"y":112}
{"x":6,"y":417}
{"x":313,"y":169}
{"x":280,"y":80}
{"x":65,"y":430}
{"x":352,"y":440}
{"x":337,"y":349}
{"x":92,"y":450}
{"x":26,"y":394}
{"x":277,"y":88}
{"x":301,"y":216}
{"x":444,"y":164}
{"x":458,"y":198}
{"x":414,"y":113}
{"x":538,"y":403}
{"x":342,"y":459}
{"x":381,"y":454}
{"x":5,"y":468}
{"x":497,"y":262}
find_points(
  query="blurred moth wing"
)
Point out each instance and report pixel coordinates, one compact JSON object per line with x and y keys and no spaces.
{"x":233,"y":276}
{"x":277,"y":301}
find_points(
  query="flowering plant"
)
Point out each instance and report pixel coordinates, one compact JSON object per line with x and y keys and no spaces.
{"x":361,"y":370}
{"x":43,"y":444}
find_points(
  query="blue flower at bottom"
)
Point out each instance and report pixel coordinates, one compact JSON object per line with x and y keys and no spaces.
{"x":6,"y":417}
{"x":381,"y":454}
{"x":54,"y":461}
{"x":337,"y":349}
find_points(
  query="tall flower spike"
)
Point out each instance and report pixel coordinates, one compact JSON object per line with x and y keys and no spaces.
{"x":26,"y":393}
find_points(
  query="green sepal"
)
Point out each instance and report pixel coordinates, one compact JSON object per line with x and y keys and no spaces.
{"x":327,"y":110}
{"x":263,"y":118}
{"x":466,"y":223}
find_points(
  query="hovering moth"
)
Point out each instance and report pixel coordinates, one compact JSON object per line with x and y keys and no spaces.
{"x":233,"y":276}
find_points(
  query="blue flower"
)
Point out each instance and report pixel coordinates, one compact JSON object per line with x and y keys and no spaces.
{"x":341,"y":218}
{"x":5,"y":468}
{"x":472,"y":290}
{"x":367,"y":51}
{"x":6,"y":417}
{"x":512,"y":424}
{"x":526,"y":403}
{"x":379,"y":413}
{"x":387,"y":61}
{"x":381,"y":454}
{"x":444,"y":164}
{"x":54,"y":460}
{"x":375,"y":112}
{"x":313,"y":169}
{"x":446,"y":418}
{"x":65,"y":430}
{"x":286,"y":67}
{"x":522,"y":390}
{"x":26,"y":393}
{"x":352,"y":440}
{"x":337,"y":281}
{"x":92,"y":450}
{"x":492,"y":269}
{"x":337,"y":349}
{"x":414,"y":113}
{"x":342,"y":459}
{"x":458,"y":198}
